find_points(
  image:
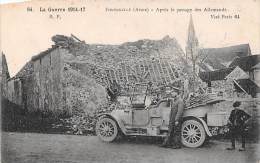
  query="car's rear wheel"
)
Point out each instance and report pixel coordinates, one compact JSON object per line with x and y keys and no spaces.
{"x":106,"y":129}
{"x":192,"y":134}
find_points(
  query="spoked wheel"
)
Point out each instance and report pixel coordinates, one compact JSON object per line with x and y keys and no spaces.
{"x":106,"y":129}
{"x":192,"y":134}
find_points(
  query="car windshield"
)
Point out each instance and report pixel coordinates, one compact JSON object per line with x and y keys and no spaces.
{"x":139,"y":94}
{"x":124,"y":100}
{"x":138,"y":99}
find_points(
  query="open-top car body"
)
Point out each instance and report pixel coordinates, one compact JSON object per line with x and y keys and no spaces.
{"x":135,"y":115}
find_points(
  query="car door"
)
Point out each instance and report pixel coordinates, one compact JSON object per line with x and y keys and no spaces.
{"x":140,"y":115}
{"x":159,"y":114}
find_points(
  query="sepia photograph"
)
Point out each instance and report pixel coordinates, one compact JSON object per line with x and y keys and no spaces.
{"x":128,"y":81}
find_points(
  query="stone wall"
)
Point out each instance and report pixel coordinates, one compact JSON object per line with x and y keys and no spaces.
{"x":57,"y":88}
{"x":15,"y":93}
{"x":43,"y":88}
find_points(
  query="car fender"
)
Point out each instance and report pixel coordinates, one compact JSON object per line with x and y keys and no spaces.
{"x":197,"y":113}
{"x":116,"y":119}
{"x":205,"y":126}
{"x":201,"y":121}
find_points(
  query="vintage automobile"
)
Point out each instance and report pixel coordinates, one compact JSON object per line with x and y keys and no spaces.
{"x":137,"y":116}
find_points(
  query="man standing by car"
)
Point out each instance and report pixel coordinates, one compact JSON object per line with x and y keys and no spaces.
{"x":237,"y":123}
{"x":173,"y":138}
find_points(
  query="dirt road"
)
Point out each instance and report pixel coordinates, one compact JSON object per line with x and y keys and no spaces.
{"x":54,"y":148}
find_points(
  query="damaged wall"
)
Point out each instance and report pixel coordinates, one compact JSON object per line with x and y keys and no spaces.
{"x":55,"y":87}
{"x":81,"y":92}
{"x":66,"y":77}
{"x":14,"y":93}
{"x":43,"y":88}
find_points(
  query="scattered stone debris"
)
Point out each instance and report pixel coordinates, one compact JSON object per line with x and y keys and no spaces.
{"x":77,"y":125}
{"x":81,"y":123}
{"x":197,"y":99}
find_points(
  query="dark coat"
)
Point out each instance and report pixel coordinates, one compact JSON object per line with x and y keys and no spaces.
{"x":177,"y":110}
{"x":238,"y":118}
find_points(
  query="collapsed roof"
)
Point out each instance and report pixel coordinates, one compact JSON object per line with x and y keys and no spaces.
{"x":246,"y":63}
{"x":220,"y":58}
{"x":142,"y":60}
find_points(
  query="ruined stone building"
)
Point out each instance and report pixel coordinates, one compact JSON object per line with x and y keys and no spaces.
{"x":241,"y":76}
{"x":214,"y":65}
{"x":210,"y":59}
{"x":48,"y":85}
{"x":220,"y":58}
{"x":72,"y":75}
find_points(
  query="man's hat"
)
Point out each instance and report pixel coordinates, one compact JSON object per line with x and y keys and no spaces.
{"x":236,"y":104}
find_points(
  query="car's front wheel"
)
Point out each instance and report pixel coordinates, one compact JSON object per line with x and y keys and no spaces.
{"x":192,"y":133}
{"x":106,"y":129}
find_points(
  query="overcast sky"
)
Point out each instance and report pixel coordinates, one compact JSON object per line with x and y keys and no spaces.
{"x":24,"y":34}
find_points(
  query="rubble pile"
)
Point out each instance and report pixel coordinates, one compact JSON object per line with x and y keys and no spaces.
{"x":77,"y":125}
{"x":81,"y":123}
{"x":197,"y":100}
{"x":82,"y":93}
{"x":92,"y":66}
{"x":67,"y":42}
{"x":224,"y":87}
{"x":106,"y":108}
{"x":158,"y":61}
{"x":110,"y":55}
